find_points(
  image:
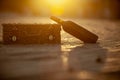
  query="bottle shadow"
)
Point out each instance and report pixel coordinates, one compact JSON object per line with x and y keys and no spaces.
{"x":89,"y":57}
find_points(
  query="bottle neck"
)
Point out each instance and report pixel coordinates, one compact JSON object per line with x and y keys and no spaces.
{"x":56,"y":19}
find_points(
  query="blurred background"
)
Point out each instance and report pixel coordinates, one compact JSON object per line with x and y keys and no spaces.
{"x":69,"y":60}
{"x":96,"y":9}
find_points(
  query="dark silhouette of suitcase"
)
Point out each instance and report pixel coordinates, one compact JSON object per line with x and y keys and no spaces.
{"x":31,"y":33}
{"x":77,"y":31}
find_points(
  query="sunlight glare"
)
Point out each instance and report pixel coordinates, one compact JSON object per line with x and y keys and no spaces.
{"x":56,"y":2}
{"x":56,"y":6}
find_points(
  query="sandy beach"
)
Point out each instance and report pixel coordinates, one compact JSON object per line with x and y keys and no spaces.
{"x":70,"y":60}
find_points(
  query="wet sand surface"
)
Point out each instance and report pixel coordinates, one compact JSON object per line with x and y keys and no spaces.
{"x":70,"y":60}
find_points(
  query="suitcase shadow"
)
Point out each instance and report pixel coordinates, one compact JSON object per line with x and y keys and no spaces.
{"x":29,"y":62}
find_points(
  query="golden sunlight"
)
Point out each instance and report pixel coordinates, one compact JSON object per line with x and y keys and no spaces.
{"x":56,"y":2}
{"x":56,"y":6}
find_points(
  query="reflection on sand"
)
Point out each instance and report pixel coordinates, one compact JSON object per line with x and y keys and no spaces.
{"x":81,"y":63}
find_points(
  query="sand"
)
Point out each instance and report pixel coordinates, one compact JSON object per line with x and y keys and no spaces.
{"x":70,"y":60}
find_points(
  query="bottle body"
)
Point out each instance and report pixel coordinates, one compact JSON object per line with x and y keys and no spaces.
{"x":79,"y":32}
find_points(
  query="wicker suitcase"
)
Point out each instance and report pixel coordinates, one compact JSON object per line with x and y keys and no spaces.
{"x":31,"y":34}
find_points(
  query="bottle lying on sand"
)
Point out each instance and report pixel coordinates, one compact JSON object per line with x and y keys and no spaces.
{"x":76,"y":30}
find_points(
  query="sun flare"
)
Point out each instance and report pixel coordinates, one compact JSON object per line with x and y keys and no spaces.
{"x":56,"y":6}
{"x":55,"y":2}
